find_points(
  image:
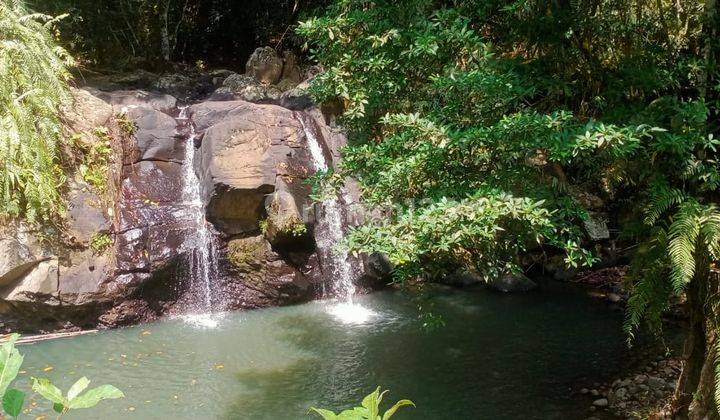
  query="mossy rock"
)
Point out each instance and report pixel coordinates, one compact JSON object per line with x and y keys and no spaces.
{"x":247,"y":253}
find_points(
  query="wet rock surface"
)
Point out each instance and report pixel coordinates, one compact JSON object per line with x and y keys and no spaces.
{"x":123,"y":256}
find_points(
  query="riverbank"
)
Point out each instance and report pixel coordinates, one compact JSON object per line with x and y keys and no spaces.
{"x":646,"y":388}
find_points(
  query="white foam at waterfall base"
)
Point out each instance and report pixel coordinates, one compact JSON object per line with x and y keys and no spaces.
{"x":351,"y":313}
{"x":206,"y":320}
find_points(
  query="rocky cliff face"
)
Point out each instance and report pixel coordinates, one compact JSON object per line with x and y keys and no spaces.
{"x":122,"y":256}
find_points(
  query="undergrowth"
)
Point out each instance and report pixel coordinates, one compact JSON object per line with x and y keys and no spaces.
{"x":33,"y":84}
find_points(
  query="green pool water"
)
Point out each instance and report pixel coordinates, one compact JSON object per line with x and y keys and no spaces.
{"x":492,"y":356}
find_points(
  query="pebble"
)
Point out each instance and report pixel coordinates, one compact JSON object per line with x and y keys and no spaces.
{"x":601,"y":402}
{"x":584,"y":391}
{"x":655,"y":382}
{"x":594,"y":392}
{"x":614,"y":297}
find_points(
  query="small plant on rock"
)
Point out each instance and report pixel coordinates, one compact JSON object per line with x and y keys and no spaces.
{"x":100,"y":242}
{"x":127,"y":125}
{"x":96,"y":156}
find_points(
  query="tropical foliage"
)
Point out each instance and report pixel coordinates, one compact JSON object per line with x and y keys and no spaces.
{"x":13,"y":399}
{"x":33,"y":84}
{"x":368,"y":410}
{"x":477,"y":125}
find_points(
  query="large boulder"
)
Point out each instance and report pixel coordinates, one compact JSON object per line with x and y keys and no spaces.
{"x":512,"y":283}
{"x":291,"y":71}
{"x":86,"y":215}
{"x":123,"y":255}
{"x":122,"y":100}
{"x":20,"y":252}
{"x":154,"y":137}
{"x":246,"y":88}
{"x":262,"y":277}
{"x":85,"y":113}
{"x":284,"y":227}
{"x":596,"y":226}
{"x":184,"y":86}
{"x":249,"y":151}
{"x":265,"y":65}
{"x":39,"y":284}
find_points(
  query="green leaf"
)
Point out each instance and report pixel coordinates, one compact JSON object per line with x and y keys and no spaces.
{"x":10,"y":361}
{"x":372,"y":403}
{"x":94,"y":396}
{"x":325,"y":414}
{"x":49,"y":391}
{"x":358,"y":413}
{"x":77,"y":388}
{"x":13,"y":402}
{"x":395,"y":407}
{"x":58,"y":408}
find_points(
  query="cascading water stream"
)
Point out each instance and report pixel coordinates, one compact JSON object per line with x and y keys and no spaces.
{"x":328,"y":233}
{"x":200,"y":242}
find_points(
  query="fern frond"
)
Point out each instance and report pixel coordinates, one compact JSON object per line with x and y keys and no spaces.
{"x":710,"y":231}
{"x":33,"y":85}
{"x":662,"y":198}
{"x":683,"y":237}
{"x":648,"y":284}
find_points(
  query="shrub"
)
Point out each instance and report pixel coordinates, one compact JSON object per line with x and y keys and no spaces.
{"x":33,"y":83}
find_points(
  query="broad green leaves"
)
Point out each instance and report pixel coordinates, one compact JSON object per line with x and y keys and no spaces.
{"x":369,"y":409}
{"x":13,"y":399}
{"x":77,"y":388}
{"x":48,"y":391}
{"x":92,"y":397}
{"x":10,"y":361}
{"x":391,"y":411}
{"x":12,"y":402}
{"x":74,"y":399}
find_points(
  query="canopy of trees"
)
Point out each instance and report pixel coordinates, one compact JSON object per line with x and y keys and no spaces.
{"x":114,"y":34}
{"x":479,"y":121}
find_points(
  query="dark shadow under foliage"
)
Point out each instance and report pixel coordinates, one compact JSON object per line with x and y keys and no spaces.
{"x":132,"y":33}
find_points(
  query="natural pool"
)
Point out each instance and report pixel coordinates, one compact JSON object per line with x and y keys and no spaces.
{"x":496,"y":357}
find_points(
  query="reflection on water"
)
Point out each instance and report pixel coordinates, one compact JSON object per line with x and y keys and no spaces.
{"x":496,"y":357}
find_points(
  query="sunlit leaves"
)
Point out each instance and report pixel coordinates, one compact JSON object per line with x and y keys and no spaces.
{"x":13,"y":401}
{"x":369,"y":409}
{"x":33,"y":83}
{"x":10,"y":361}
{"x":75,"y":399}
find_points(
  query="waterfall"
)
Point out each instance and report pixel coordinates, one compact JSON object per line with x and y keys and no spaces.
{"x":199,"y":244}
{"x":328,"y":233}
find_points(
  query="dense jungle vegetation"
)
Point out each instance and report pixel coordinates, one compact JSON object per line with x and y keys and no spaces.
{"x":480,"y":124}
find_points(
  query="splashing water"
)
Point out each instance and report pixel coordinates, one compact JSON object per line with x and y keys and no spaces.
{"x":328,"y":233}
{"x":351,"y":313}
{"x":200,"y":242}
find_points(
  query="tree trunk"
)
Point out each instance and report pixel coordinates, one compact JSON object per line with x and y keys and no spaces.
{"x":695,"y":394}
{"x":165,"y":33}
